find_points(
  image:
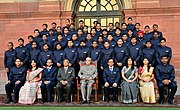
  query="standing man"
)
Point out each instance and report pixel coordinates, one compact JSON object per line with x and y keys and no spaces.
{"x":87,"y":75}
{"x":106,"y":53}
{"x":120,"y":54}
{"x":9,"y":58}
{"x":22,"y":52}
{"x":163,"y":50}
{"x":165,"y":76}
{"x":135,"y":51}
{"x":16,"y":80}
{"x":111,"y":76}
{"x":130,"y":24}
{"x":65,"y":77}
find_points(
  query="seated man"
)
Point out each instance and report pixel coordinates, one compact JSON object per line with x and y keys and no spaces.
{"x":165,"y":76}
{"x":48,"y":81}
{"x":16,"y":80}
{"x":65,"y":77}
{"x":111,"y":77}
{"x":87,"y":75}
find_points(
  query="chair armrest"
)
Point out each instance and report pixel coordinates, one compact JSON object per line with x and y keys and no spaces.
{"x":96,"y":81}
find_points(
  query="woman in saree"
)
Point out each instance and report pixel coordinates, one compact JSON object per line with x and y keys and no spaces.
{"x":129,"y":83}
{"x":31,"y":89}
{"x":146,"y":77}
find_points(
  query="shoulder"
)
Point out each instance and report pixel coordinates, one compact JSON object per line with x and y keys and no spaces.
{"x":151,"y":68}
{"x":116,"y":68}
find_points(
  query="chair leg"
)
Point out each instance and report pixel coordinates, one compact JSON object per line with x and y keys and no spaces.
{"x":78,"y":95}
{"x":71,"y":97}
{"x":95,"y":95}
{"x":103,"y":93}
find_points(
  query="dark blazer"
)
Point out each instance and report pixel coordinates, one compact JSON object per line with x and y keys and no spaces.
{"x":49,"y":76}
{"x":113,"y":77}
{"x":68,"y":76}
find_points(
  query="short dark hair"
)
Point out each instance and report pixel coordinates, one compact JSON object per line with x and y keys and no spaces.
{"x":30,"y":36}
{"x":68,"y":20}
{"x":164,"y":56}
{"x":21,"y":39}
{"x":36,"y":30}
{"x":155,"y":25}
{"x":45,"y":25}
{"x":79,"y":29}
{"x":118,"y":29}
{"x":11,"y":43}
{"x":123,"y":24}
{"x":163,"y":39}
{"x":46,"y":44}
{"x":81,"y":21}
{"x":104,"y":30}
{"x":147,"y":26}
{"x":34,"y":42}
{"x":51,"y":30}
{"x":45,"y":35}
{"x":130,"y":18}
{"x":95,"y":22}
{"x":111,"y":24}
{"x":110,"y":59}
{"x":99,"y":24}
{"x":54,"y":23}
{"x":138,"y":24}
{"x":85,"y":26}
{"x":133,"y":37}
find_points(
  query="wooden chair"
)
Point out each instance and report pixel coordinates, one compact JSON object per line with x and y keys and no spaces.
{"x":94,"y":86}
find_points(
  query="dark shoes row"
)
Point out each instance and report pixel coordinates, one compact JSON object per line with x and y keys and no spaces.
{"x":170,"y":101}
{"x":9,"y":101}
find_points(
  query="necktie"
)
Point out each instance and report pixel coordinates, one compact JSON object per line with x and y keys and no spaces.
{"x":111,"y":70}
{"x":65,"y":70}
{"x":48,"y":69}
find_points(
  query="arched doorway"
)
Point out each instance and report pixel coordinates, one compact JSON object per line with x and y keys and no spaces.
{"x":103,"y":11}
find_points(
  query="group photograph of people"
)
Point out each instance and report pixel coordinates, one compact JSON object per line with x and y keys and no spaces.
{"x":118,"y":64}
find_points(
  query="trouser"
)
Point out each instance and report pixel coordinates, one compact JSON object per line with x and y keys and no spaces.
{"x":115,"y":92}
{"x":89,"y":89}
{"x":59,"y":88}
{"x":9,"y":89}
{"x":172,"y":86}
{"x":47,"y":90}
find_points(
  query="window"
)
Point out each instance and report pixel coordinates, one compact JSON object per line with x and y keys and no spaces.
{"x":103,"y":11}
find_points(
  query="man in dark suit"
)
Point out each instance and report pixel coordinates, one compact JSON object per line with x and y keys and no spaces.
{"x":111,"y":77}
{"x":48,"y":80}
{"x":65,"y":77}
{"x":165,"y":76}
{"x":16,"y":80}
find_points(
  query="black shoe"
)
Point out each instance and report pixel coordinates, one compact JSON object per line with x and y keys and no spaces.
{"x":15,"y":101}
{"x":88,"y":102}
{"x":83,"y":102}
{"x":107,"y":100}
{"x":40,"y":101}
{"x":8,"y":101}
{"x":170,"y":101}
{"x":161,"y":101}
{"x":68,"y":101}
{"x":115,"y":100}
